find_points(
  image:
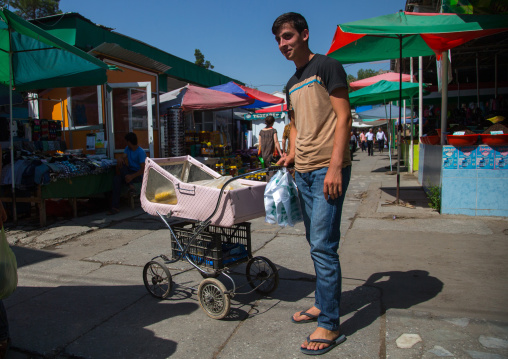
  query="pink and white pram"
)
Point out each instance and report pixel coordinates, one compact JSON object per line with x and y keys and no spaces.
{"x":184,"y":187}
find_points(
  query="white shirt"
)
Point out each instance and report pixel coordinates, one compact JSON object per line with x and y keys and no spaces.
{"x":380,"y":136}
{"x":370,"y":136}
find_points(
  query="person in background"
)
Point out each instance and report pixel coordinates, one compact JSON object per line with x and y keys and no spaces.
{"x":370,"y":142}
{"x":268,"y":141}
{"x":131,"y":167}
{"x":363,"y":141}
{"x":285,"y":138}
{"x":353,"y":142}
{"x":4,"y":324}
{"x":380,"y":138}
{"x":318,"y":105}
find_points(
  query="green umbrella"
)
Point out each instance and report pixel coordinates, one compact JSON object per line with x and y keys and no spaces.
{"x":420,"y":34}
{"x":407,"y":34}
{"x":382,"y":92}
{"x":31,"y":58}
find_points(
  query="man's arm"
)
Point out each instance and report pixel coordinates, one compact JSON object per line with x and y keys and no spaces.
{"x":332,"y":187}
{"x":276,"y":142}
{"x":289,"y":157}
{"x":129,"y":178}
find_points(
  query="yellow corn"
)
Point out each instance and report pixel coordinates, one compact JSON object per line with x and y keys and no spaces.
{"x":163,"y":196}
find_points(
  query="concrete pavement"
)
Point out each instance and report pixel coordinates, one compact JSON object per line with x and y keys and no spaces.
{"x":416,"y":284}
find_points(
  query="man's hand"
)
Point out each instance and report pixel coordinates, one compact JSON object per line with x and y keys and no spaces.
{"x":286,"y":160}
{"x":129,"y":178}
{"x":332,"y":186}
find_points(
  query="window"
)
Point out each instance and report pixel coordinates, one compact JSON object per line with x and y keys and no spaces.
{"x":84,"y":106}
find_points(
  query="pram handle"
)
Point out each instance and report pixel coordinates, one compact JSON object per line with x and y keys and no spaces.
{"x":206,"y":222}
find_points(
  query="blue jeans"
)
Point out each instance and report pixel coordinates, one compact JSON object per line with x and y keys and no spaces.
{"x":118,"y":182}
{"x":322,"y":229}
{"x":4,"y":324}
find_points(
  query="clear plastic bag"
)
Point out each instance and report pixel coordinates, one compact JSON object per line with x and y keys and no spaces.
{"x":8,"y":268}
{"x":282,"y":205}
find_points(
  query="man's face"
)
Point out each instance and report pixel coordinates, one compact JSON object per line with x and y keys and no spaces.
{"x":290,"y":41}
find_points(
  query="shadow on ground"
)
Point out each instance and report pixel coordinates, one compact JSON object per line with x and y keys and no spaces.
{"x":395,"y":290}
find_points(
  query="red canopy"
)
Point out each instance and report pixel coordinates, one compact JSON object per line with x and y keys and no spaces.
{"x":389,"y":76}
{"x":275,"y":108}
{"x":193,"y":97}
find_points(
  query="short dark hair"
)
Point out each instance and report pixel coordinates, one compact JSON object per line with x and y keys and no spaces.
{"x":296,"y":20}
{"x":269,"y":120}
{"x":132,"y":138}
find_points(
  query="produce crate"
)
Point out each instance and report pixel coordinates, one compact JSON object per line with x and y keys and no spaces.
{"x":215,"y":246}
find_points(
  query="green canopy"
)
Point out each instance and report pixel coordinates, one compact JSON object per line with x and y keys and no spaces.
{"x":383,"y":92}
{"x":41,"y":60}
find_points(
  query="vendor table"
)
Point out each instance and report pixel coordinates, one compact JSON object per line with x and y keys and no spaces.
{"x":70,"y":188}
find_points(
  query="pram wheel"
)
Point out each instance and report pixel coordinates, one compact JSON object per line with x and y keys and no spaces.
{"x":262,"y":275}
{"x":213,"y":299}
{"x":157,"y":279}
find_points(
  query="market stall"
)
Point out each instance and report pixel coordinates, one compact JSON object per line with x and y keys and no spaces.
{"x":36,"y":60}
{"x":471,"y":171}
{"x":199,"y":122}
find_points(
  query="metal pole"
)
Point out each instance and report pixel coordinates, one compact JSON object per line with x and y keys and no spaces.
{"x":400,"y":115}
{"x":411,"y":125}
{"x":420,"y":97}
{"x":11,"y":128}
{"x":444,"y":94}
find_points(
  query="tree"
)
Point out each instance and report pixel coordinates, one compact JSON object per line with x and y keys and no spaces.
{"x":33,"y":9}
{"x":365,"y":73}
{"x":200,"y":60}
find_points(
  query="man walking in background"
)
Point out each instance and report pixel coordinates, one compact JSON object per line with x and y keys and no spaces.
{"x":380,"y":138}
{"x":318,"y":106}
{"x":370,"y":142}
{"x":363,"y":141}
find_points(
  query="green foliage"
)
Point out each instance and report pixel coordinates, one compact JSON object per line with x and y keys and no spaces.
{"x":33,"y":9}
{"x":434,"y":195}
{"x":362,"y":74}
{"x":350,"y":78}
{"x":365,"y":73}
{"x":200,"y":60}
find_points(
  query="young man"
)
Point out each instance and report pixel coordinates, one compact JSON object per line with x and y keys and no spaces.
{"x":380,"y":138}
{"x":318,"y":104}
{"x":131,"y":167}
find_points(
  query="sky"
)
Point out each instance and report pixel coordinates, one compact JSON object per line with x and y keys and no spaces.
{"x":235,"y":36}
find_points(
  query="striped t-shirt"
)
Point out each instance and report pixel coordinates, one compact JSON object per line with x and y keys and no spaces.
{"x":308,"y":95}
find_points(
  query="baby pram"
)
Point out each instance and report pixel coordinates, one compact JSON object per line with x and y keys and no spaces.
{"x":206,"y":215}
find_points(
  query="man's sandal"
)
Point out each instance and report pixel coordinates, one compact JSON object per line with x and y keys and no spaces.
{"x":312,"y":318}
{"x":331,"y":344}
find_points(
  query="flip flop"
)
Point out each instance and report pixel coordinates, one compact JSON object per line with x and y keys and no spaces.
{"x":312,"y":318}
{"x":331,"y":344}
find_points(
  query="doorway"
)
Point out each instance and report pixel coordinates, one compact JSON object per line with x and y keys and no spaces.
{"x":129,"y":111}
